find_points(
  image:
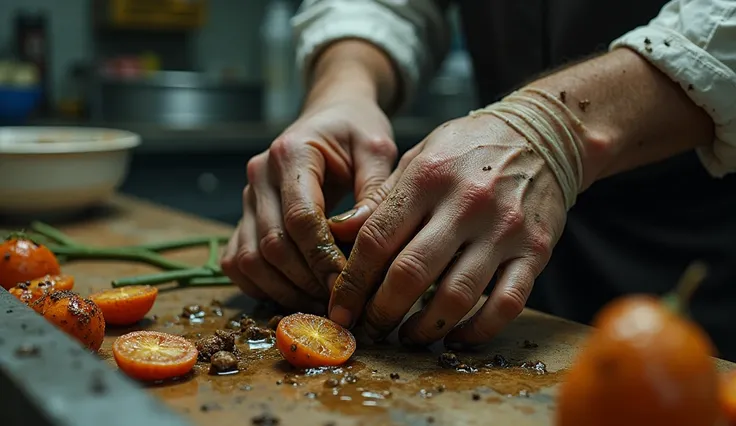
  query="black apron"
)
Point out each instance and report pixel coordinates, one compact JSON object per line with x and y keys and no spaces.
{"x":633,"y":232}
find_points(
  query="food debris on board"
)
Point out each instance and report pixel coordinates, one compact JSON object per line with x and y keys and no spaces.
{"x":320,"y":352}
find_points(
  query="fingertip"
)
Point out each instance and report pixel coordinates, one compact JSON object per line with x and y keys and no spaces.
{"x":342,"y":316}
{"x":345,"y":226}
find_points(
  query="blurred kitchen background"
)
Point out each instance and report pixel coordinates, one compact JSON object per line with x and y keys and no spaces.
{"x":207,"y":85}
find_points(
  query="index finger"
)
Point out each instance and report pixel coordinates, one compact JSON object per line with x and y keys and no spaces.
{"x":301,"y":172}
{"x":382,"y":236}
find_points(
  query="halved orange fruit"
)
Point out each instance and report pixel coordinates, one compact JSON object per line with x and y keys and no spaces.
{"x":125,"y":305}
{"x":152,"y":355}
{"x":32,"y":290}
{"x":308,"y":341}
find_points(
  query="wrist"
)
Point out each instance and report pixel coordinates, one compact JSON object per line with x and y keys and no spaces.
{"x":353,"y":68}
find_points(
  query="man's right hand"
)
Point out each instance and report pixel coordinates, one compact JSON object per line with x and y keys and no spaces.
{"x":283,"y":248}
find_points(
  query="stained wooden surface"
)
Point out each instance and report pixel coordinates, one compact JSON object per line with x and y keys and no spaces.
{"x":424,"y":393}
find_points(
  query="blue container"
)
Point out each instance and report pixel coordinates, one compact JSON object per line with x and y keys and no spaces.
{"x":17,"y":103}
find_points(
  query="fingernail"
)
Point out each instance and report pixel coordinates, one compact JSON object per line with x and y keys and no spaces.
{"x":342,"y":217}
{"x":341,"y":316}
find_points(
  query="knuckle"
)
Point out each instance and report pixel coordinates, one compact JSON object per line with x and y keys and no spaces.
{"x":511,"y":219}
{"x":382,"y":147}
{"x":411,"y":270}
{"x":511,"y":302}
{"x":373,"y":235}
{"x":346,"y":287}
{"x":540,"y":244}
{"x":282,"y":147}
{"x":461,"y":290}
{"x":477,"y":195}
{"x":254,"y":166}
{"x":272,"y":245}
{"x":248,"y":259}
{"x":431,"y":167}
{"x":299,"y":218}
{"x":380,"y":318}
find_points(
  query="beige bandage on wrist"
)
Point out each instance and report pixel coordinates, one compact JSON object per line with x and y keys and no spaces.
{"x":542,"y":120}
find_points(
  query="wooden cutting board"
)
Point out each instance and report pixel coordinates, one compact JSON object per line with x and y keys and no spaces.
{"x":383,"y":384}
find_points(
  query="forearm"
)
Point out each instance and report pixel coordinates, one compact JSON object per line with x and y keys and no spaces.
{"x":355,"y":68}
{"x":632,"y":113}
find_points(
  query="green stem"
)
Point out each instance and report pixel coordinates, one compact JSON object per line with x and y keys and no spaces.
{"x":212,"y":262}
{"x":52,"y":233}
{"x":689,"y":282}
{"x":151,"y":258}
{"x":209,"y":281}
{"x":162,"y":277}
{"x":178,"y":244}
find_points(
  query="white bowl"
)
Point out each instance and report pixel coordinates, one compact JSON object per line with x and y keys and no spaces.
{"x":60,"y":170}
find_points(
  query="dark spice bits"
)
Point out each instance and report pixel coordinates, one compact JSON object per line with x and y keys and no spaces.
{"x":223,"y":362}
{"x":98,"y":385}
{"x":274,"y":321}
{"x":487,"y":168}
{"x":394,"y":376}
{"x":209,"y":407}
{"x":448,"y":360}
{"x":476,"y":396}
{"x":647,"y":41}
{"x":563,"y":96}
{"x":265,"y":420}
{"x":584,"y":104}
{"x":259,"y":333}
{"x":6,"y":256}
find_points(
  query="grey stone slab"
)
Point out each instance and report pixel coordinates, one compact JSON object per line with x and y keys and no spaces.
{"x":47,"y":378}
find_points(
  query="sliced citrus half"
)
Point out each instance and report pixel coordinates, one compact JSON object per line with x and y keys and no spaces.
{"x":125,"y":305}
{"x":152,"y":355}
{"x":308,"y":341}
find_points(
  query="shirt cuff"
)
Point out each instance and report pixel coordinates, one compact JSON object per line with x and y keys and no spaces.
{"x":706,"y":80}
{"x":315,"y":29}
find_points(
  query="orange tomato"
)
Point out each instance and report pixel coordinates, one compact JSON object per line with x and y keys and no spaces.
{"x":307,"y":341}
{"x":728,"y":397}
{"x":642,"y":365}
{"x":22,"y":260}
{"x":31,"y":291}
{"x":78,"y":317}
{"x":125,"y":305}
{"x":151,"y":355}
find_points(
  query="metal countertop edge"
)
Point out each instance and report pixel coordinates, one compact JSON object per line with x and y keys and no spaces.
{"x":48,"y":379}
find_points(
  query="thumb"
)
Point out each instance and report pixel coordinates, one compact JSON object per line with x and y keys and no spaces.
{"x":372,"y":163}
{"x":373,"y":182}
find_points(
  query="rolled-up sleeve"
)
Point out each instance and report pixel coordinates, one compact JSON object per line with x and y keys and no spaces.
{"x":694,"y":43}
{"x":413,"y":33}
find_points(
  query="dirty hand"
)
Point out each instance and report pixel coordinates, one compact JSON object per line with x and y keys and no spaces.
{"x":283,"y":248}
{"x":478,"y":187}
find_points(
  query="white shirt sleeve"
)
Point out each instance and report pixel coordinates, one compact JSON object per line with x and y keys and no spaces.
{"x":413,"y":33}
{"x":694,"y":43}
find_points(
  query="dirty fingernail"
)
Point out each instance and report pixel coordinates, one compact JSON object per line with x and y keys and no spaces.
{"x":341,"y":316}
{"x":342,"y":217}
